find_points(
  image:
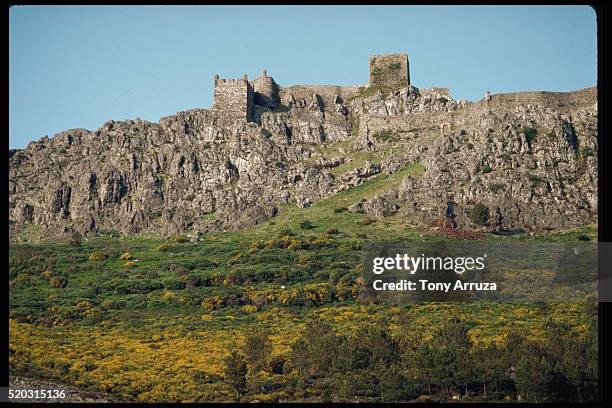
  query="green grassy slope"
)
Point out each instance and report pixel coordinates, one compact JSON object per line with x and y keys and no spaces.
{"x":117,"y":326}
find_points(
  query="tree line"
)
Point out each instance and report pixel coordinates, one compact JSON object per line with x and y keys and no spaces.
{"x":372,"y":365}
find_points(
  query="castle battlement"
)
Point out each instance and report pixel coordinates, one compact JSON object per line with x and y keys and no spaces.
{"x":389,"y":71}
{"x":236,"y":99}
{"x":233,"y":99}
{"x":230,"y":81}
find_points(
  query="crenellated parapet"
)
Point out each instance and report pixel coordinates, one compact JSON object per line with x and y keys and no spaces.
{"x":389,"y":71}
{"x":233,"y":99}
{"x":240,"y":100}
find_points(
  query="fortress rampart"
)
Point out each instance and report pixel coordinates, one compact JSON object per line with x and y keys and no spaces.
{"x":233,"y":99}
{"x":328,"y":93}
{"x":236,"y":99}
{"x":561,"y":101}
{"x":452,"y":121}
{"x":389,"y":71}
{"x":265,"y":91}
{"x":244,"y":100}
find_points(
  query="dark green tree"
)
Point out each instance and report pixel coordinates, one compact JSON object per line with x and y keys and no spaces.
{"x":235,"y":373}
{"x":392,"y":384}
{"x":314,"y":353}
{"x":490,"y":369}
{"x":479,"y":214}
{"x":257,"y":348}
{"x":535,"y":375}
{"x":455,"y":368}
{"x":426,"y":359}
{"x":575,"y":358}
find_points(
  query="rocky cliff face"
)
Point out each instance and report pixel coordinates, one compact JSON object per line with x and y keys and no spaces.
{"x":529,"y":158}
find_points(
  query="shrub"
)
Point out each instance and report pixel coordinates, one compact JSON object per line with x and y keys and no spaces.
{"x":236,"y":259}
{"x":83,"y":304}
{"x":340,"y":210}
{"x":58,"y":282}
{"x":496,"y":187}
{"x":333,"y":230}
{"x":535,"y":178}
{"x":126,"y":256}
{"x":385,"y":136}
{"x":163,"y":247}
{"x":170,"y":284}
{"x":235,"y":374}
{"x":587,"y":151}
{"x":249,"y":309}
{"x":367,"y":221}
{"x":530,"y":134}
{"x":76,"y":239}
{"x":303,"y":260}
{"x":583,"y":237}
{"x":180,"y":239}
{"x":355,"y":126}
{"x":194,"y":282}
{"x":84,"y":365}
{"x":180,"y":270}
{"x":277,"y":364}
{"x":306,"y":225}
{"x":487,"y":169}
{"x":295,"y":245}
{"x":286,"y":233}
{"x":212,"y":303}
{"x":479,"y":214}
{"x":98,"y":256}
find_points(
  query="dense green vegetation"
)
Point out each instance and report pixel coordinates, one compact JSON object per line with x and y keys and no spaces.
{"x":386,"y":136}
{"x":279,"y":312}
{"x":530,"y":133}
{"x":479,"y":214}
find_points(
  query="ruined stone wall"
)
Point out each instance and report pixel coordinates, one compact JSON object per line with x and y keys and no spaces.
{"x":233,"y":99}
{"x":266,"y":92}
{"x":424,"y":122}
{"x":562,"y":101}
{"x":487,"y":113}
{"x":442,"y":91}
{"x":389,"y":71}
{"x":327,"y":93}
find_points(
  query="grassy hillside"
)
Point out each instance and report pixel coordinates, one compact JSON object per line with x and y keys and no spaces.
{"x":153,"y":320}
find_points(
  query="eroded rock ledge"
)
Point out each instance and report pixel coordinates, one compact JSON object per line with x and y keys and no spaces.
{"x":531,"y":158}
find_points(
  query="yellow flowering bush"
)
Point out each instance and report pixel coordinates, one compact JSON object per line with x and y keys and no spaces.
{"x":163,"y":247}
{"x":126,"y":256}
{"x":98,"y":256}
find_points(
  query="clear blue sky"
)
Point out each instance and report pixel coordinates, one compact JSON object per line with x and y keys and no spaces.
{"x":79,"y":66}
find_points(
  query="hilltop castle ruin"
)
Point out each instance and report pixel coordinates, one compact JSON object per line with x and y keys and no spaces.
{"x":262,"y":145}
{"x":237,"y":99}
{"x":390,"y":71}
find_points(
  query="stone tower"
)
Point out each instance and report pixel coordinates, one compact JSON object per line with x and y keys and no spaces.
{"x":233,"y":99}
{"x":389,"y":71}
{"x":266,"y":91}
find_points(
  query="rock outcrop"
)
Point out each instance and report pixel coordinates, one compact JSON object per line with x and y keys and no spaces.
{"x":530,"y":158}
